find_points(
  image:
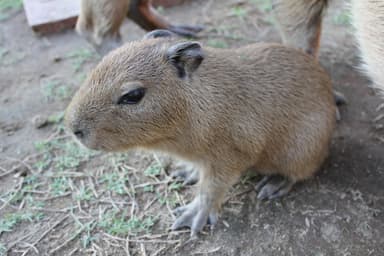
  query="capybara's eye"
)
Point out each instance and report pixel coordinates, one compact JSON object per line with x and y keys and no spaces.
{"x":132,"y":97}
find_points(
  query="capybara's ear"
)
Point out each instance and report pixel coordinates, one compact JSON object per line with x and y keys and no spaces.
{"x":186,"y":57}
{"x":158,"y":33}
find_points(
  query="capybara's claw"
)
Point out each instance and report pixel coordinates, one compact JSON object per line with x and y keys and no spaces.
{"x":271,"y":187}
{"x":195,"y":216}
{"x":188,"y":175}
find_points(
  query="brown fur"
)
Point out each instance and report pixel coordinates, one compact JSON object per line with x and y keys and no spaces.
{"x":368,"y":19}
{"x":300,"y":22}
{"x":100,"y":21}
{"x":264,"y":106}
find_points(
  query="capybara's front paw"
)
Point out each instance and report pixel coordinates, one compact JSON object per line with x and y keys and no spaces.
{"x":195,"y":215}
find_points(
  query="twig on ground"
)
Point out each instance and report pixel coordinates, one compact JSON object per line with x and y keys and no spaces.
{"x":166,"y":181}
{"x":18,"y":241}
{"x":115,"y":202}
{"x":132,"y":197}
{"x":12,"y":206}
{"x":73,"y":251}
{"x":159,"y":251}
{"x":93,"y":187}
{"x":45,"y":209}
{"x":58,"y":196}
{"x":22,"y":162}
{"x":150,"y":203}
{"x":68,"y":240}
{"x":127,"y":246}
{"x":68,"y":175}
{"x":208,"y":252}
{"x":5,"y":172}
{"x":29,"y":247}
{"x":174,"y":232}
{"x":140,"y":240}
{"x":44,"y":234}
{"x":16,"y":190}
{"x":142,"y":249}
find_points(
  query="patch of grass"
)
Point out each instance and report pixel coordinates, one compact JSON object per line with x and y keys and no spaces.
{"x":84,"y":194}
{"x":30,"y":183}
{"x":55,"y":90}
{"x":69,"y":160}
{"x":239,"y":12}
{"x":33,"y":203}
{"x":56,"y":118}
{"x":59,"y":186}
{"x":116,"y":224}
{"x":263,"y":5}
{"x":118,"y":159}
{"x":153,"y":170}
{"x":70,"y":155}
{"x":9,"y":221}
{"x":3,"y":52}
{"x":80,"y":57}
{"x":3,"y":249}
{"x":10,"y":58}
{"x":80,"y":78}
{"x":114,"y":182}
{"x":9,"y":5}
{"x":16,"y":196}
{"x":342,"y":18}
{"x":227,"y":31}
{"x":149,"y":188}
{"x":217,"y":43}
{"x":87,"y":238}
{"x":170,"y":199}
{"x":223,"y":29}
{"x":43,"y":163}
{"x":175,"y":186}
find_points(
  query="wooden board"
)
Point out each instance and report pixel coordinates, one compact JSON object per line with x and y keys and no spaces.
{"x":51,"y":16}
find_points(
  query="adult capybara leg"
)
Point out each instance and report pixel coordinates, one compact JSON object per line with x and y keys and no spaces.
{"x":100,"y":20}
{"x":143,"y":13}
{"x":300,"y":22}
{"x":368,"y":19}
{"x":300,"y":25}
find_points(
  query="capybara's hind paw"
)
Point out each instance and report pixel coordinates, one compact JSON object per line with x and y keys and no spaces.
{"x":273,"y":186}
{"x":187,"y":174}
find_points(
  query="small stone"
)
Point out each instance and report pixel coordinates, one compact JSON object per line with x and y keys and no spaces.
{"x":57,"y":59}
{"x":21,"y":171}
{"x":39,"y":121}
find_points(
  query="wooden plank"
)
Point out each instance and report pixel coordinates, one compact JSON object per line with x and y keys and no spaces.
{"x":50,"y":16}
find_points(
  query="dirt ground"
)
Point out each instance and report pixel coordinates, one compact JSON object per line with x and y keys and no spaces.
{"x":59,"y":199}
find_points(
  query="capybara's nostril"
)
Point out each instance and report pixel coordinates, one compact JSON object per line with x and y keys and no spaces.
{"x":79,"y":134}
